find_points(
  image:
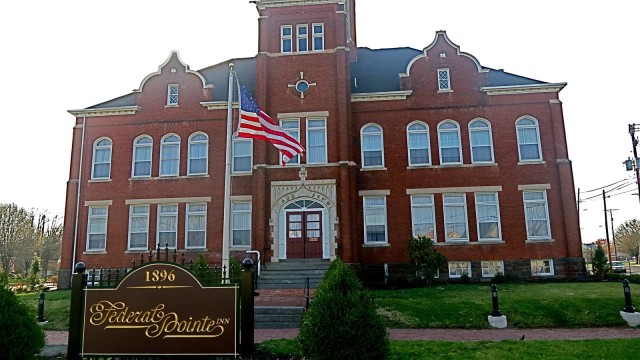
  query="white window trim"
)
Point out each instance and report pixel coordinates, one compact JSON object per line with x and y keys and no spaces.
{"x":159,"y":215}
{"x":448,"y":88}
{"x":455,"y":276}
{"x":317,"y":35}
{"x":235,"y":140}
{"x":97,"y":147}
{"x":189,"y":213}
{"x":191,"y":142}
{"x":133,"y":156}
{"x":250,"y":222}
{"x":177,"y":89}
{"x":304,"y":37}
{"x":290,"y":162}
{"x":284,"y":38}
{"x":131,"y":217}
{"x":497,"y":205}
{"x":482,"y":267}
{"x":324,"y":129}
{"x":362,"y":146}
{"x":537,"y":127}
{"x":426,"y":131}
{"x":551,"y":270}
{"x":162,"y":145}
{"x":433,"y":220}
{"x":466,"y":217}
{"x":386,"y":225}
{"x":526,"y":220}
{"x":440,"y":143}
{"x":489,"y":129}
{"x":106,"y":227}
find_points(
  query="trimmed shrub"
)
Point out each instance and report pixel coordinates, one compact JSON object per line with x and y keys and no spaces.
{"x":20,"y":335}
{"x":342,"y":321}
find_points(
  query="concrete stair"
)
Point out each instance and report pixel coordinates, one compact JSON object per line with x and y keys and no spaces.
{"x":292,"y":274}
{"x":277,"y":317}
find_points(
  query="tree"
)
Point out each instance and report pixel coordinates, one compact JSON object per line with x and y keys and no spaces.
{"x":599,"y":263}
{"x":426,"y":260}
{"x":16,"y":235}
{"x":628,"y":238}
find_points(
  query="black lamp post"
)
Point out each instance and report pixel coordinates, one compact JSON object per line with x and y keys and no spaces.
{"x":494,"y":299}
{"x":41,"y":318}
{"x":627,"y":297}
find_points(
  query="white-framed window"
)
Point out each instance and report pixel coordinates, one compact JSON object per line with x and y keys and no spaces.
{"x":97,"y":228}
{"x":302,"y":37}
{"x":292,"y":126}
{"x":172,"y":94}
{"x":101,"y":167}
{"x":536,"y":213}
{"x":491,"y":268}
{"x":375,"y":219}
{"x":459,"y":268}
{"x":418,"y":144}
{"x":423,"y":217}
{"x":196,"y":226}
{"x":142,"y":150}
{"x":449,"y":140}
{"x":167,"y":226}
{"x":444,"y":81}
{"x":241,"y":223}
{"x":242,"y":155}
{"x":198,"y":154}
{"x":170,"y":155}
{"x":318,"y":36}
{"x":316,"y":141}
{"x":488,"y":216}
{"x":528,"y":139}
{"x":372,"y":146}
{"x":542,"y":267}
{"x":455,"y":217}
{"x":481,"y":141}
{"x":138,"y":227}
{"x":286,"y":38}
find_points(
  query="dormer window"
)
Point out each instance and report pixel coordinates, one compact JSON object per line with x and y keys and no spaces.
{"x":444,"y":81}
{"x":172,"y":95}
{"x":286,"y":38}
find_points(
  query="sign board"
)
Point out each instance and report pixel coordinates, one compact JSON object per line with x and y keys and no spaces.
{"x":160,"y":309}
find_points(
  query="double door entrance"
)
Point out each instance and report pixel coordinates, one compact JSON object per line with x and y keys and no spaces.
{"x":304,"y":235}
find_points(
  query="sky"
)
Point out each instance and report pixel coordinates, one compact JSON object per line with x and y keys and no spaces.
{"x":72,"y":54}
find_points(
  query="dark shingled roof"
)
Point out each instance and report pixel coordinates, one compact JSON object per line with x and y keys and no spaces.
{"x":375,"y":70}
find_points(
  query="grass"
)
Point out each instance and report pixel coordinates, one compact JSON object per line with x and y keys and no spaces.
{"x":527,"y":305}
{"x":618,"y":349}
{"x":56,"y":308}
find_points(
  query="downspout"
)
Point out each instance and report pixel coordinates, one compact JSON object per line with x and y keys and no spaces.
{"x":75,"y":230}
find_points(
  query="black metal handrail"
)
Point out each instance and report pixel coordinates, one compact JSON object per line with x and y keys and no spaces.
{"x":306,"y":294}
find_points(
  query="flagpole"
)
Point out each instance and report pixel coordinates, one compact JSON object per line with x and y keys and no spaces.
{"x":227,"y":177}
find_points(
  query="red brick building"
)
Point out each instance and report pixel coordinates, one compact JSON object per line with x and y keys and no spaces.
{"x":399,"y":142}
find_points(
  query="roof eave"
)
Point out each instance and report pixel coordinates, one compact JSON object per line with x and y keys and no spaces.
{"x":523,"y":89}
{"x":112,"y":111}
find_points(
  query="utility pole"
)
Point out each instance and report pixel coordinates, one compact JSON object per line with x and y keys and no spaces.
{"x":613,"y":233}
{"x":634,"y":141}
{"x":606,"y":225}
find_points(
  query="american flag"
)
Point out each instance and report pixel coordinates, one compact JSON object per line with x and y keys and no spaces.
{"x":255,"y":123}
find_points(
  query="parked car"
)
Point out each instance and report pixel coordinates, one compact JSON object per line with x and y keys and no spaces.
{"x":618,"y":267}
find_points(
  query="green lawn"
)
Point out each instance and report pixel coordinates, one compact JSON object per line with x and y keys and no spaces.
{"x":56,"y":308}
{"x":535,"y":305}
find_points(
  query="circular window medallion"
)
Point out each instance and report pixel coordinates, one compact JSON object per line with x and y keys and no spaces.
{"x":302,"y":86}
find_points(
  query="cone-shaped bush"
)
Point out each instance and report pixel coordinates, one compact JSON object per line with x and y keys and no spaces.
{"x":342,"y":322}
{"x":20,"y":335}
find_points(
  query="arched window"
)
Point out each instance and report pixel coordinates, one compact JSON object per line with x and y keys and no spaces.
{"x":418,"y":144}
{"x":198,"y":154}
{"x":449,"y":140}
{"x":481,"y":141}
{"x":101,"y":167}
{"x":142,"y":149}
{"x":170,"y":155}
{"x":372,"y":146}
{"x":528,"y":139}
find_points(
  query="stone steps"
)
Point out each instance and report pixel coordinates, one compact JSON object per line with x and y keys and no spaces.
{"x":277,"y":317}
{"x":292,"y":274}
